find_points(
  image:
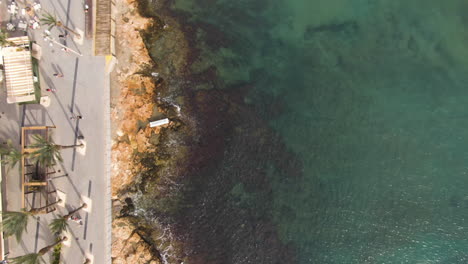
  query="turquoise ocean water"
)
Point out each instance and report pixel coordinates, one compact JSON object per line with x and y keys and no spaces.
{"x":368,"y":98}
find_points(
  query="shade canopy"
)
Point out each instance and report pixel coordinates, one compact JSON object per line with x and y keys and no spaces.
{"x":18,"y":71}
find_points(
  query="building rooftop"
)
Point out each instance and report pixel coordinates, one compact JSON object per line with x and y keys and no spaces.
{"x":18,"y":71}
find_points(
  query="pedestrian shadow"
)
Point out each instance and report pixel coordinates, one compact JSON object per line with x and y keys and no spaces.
{"x":57,"y":177}
{"x":46,"y":78}
{"x":65,"y":112}
{"x":74,"y":127}
{"x":78,"y":134}
{"x":65,"y":42}
{"x":75,"y":77}
{"x":77,"y":240}
{"x":56,"y":68}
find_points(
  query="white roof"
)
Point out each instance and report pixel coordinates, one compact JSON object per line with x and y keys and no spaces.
{"x":18,"y":71}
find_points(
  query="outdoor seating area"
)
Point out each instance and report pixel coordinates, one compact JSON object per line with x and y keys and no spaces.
{"x":22,"y":17}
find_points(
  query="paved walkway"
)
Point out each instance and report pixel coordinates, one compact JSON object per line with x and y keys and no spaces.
{"x":83,"y":90}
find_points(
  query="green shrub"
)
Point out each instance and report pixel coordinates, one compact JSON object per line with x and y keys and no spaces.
{"x":56,"y":254}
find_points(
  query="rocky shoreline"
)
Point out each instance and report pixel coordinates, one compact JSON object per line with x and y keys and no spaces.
{"x":132,"y":105}
{"x":173,"y":199}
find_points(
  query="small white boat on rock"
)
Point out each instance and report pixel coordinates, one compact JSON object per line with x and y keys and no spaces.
{"x":159,"y":122}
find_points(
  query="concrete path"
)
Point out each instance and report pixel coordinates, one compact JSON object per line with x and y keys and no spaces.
{"x":83,"y":90}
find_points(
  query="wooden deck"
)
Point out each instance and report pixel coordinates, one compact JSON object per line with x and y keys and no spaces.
{"x":89,"y":19}
{"x":103,"y":27}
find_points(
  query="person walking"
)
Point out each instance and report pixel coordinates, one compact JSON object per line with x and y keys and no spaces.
{"x":77,"y":220}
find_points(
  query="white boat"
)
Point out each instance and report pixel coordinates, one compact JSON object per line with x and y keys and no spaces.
{"x":159,"y":122}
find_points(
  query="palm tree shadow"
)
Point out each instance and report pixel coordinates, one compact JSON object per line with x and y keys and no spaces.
{"x":78,"y":194}
{"x":77,"y":240}
{"x":57,"y":68}
{"x":75,"y":142}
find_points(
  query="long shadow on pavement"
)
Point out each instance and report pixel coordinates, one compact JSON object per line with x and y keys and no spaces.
{"x":71,"y":182}
{"x":64,"y":111}
{"x":37,"y":234}
{"x":77,"y":127}
{"x":23,"y":116}
{"x":85,"y":232}
{"x":77,"y":239}
{"x":50,"y":118}
{"x":77,"y":135}
{"x":68,"y":21}
{"x":35,"y":115}
{"x":75,"y":77}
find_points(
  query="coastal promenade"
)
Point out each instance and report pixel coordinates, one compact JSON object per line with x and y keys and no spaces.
{"x":83,"y":90}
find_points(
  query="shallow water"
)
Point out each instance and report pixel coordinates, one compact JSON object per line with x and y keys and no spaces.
{"x":344,"y":132}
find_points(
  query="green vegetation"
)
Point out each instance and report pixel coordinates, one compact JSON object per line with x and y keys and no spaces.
{"x":60,"y":224}
{"x":47,"y":151}
{"x":4,"y":40}
{"x":37,"y":85}
{"x":51,"y":20}
{"x":11,"y":156}
{"x":56,"y":254}
{"x":16,"y":222}
{"x":36,"y":258}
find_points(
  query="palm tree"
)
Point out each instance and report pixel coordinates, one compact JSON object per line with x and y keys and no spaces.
{"x":4,"y":40}
{"x":11,"y":155}
{"x":47,"y":152}
{"x":16,"y":222}
{"x":36,"y":258}
{"x":59,"y":225}
{"x":52,"y":21}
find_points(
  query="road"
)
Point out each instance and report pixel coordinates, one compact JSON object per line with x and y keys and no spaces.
{"x":83,"y":90}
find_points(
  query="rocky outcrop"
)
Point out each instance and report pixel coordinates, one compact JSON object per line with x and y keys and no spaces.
{"x":132,"y":95}
{"x":128,"y":245}
{"x":132,"y":102}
